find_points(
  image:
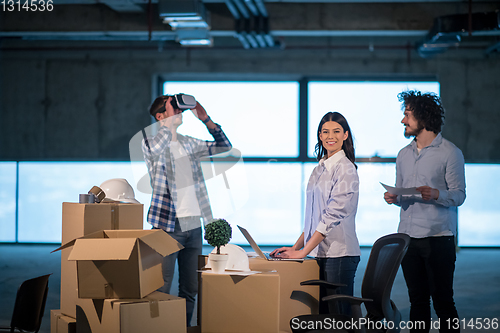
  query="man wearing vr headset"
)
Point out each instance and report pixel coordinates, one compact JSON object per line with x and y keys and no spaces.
{"x":180,"y":197}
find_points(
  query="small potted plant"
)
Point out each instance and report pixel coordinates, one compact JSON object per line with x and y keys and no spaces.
{"x":218,"y":233}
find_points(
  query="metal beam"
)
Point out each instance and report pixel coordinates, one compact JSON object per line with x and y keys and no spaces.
{"x":289,"y":19}
{"x":304,"y":17}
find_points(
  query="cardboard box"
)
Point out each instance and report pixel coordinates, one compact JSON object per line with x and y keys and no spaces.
{"x":60,"y":323}
{"x":120,"y":263}
{"x":158,"y":312}
{"x":231,"y":303}
{"x":82,"y":219}
{"x":69,"y":285}
{"x":295,"y":299}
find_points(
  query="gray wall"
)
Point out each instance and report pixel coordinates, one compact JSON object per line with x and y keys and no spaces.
{"x":85,"y":104}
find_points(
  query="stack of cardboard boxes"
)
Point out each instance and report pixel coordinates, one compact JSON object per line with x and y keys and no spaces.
{"x":110,"y":269}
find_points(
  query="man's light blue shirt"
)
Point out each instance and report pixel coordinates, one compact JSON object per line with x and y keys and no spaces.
{"x":439,"y":165}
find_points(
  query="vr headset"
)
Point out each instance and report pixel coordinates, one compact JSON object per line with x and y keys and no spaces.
{"x":183,"y":102}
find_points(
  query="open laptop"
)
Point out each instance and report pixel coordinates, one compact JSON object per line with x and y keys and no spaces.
{"x":257,"y":249}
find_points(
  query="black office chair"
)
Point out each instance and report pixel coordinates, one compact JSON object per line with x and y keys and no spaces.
{"x":30,"y":305}
{"x":385,"y":257}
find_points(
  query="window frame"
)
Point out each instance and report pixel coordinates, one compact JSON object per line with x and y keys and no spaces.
{"x":303,"y":83}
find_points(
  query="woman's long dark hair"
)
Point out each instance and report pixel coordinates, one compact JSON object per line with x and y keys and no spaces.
{"x":347,"y":146}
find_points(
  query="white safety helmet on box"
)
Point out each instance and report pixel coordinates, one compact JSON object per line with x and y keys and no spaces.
{"x":118,"y":189}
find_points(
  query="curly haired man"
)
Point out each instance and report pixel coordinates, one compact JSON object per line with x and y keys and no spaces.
{"x":435,"y":166}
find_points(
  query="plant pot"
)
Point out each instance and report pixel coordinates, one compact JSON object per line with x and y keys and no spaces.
{"x":218,"y":262}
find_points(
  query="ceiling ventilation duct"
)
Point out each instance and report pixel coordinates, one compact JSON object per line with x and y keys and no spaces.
{"x":447,"y":31}
{"x":251,"y":23}
{"x":189,"y":19}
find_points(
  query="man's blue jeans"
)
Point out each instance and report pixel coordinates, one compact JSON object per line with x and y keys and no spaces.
{"x":338,"y":270}
{"x":188,"y":265}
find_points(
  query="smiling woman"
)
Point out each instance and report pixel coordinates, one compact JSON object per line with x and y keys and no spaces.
{"x":332,"y":201}
{"x":334,"y":134}
{"x":332,"y":137}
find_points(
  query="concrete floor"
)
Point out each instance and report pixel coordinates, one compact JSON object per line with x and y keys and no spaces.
{"x":477,"y":276}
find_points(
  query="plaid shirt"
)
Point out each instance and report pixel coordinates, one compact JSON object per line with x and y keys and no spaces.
{"x":161,"y":167}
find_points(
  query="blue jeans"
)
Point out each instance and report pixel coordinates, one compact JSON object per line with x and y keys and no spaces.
{"x":188,"y":265}
{"x":338,"y":270}
{"x":428,"y":268}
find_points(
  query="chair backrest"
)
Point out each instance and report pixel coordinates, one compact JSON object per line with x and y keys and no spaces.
{"x":30,"y":304}
{"x":383,"y":264}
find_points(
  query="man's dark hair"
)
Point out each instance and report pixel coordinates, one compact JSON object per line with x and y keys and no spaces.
{"x":157,"y":105}
{"x":426,"y":107}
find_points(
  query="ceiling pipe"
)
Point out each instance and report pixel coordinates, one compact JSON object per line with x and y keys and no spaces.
{"x":259,"y":31}
{"x":251,"y":6}
{"x":241,"y":7}
{"x":232,"y":9}
{"x":249,"y":35}
{"x":247,"y":32}
{"x":150,"y":20}
{"x":150,"y":47}
{"x":243,"y":40}
{"x":251,"y":23}
{"x":264,"y":23}
{"x":242,"y":23}
{"x":256,"y":32}
{"x":242,"y":28}
{"x":237,"y":22}
{"x":261,"y":22}
{"x":267,"y":36}
{"x":447,"y":31}
{"x":261,"y":7}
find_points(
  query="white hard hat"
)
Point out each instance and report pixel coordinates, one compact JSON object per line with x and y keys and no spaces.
{"x":118,"y":189}
{"x":237,"y":260}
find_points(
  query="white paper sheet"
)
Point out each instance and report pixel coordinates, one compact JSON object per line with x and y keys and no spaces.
{"x":401,"y":190}
{"x":229,"y":272}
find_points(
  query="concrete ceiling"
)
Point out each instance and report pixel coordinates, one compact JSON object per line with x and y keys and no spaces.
{"x":292,"y":23}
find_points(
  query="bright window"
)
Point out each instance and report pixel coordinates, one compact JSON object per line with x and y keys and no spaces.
{"x":479,"y":216}
{"x":8,"y":201}
{"x":44,"y":186}
{"x":259,"y":118}
{"x":265,"y":198}
{"x":265,"y":190}
{"x":372,"y":110}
